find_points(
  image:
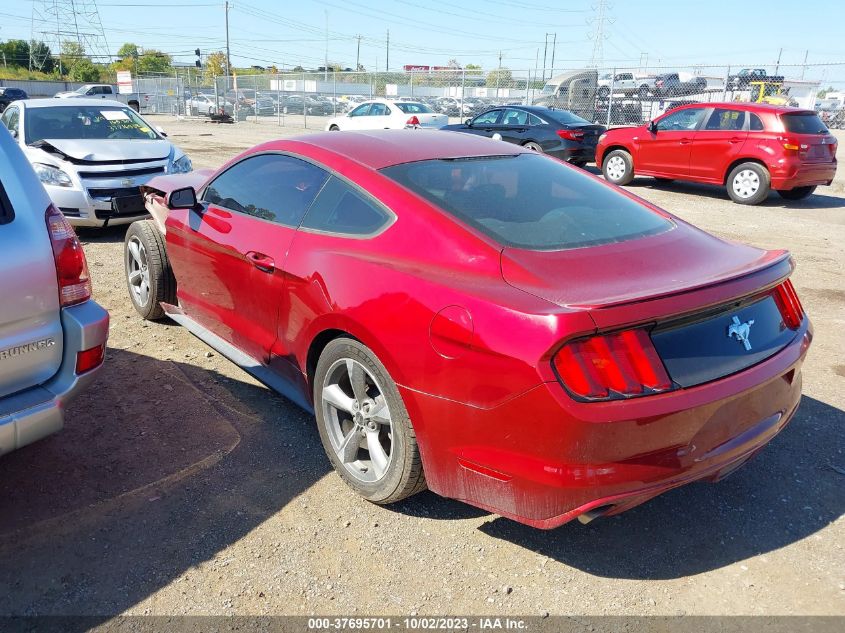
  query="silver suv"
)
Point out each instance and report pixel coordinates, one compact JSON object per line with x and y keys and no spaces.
{"x":52,"y":335}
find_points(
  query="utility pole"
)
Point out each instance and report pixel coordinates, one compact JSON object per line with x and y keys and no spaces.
{"x":554,"y":45}
{"x":545,"y":50}
{"x":777,"y":66}
{"x":326,"y":67}
{"x":358,"y":54}
{"x":601,"y":16}
{"x":387,"y":61}
{"x":228,"y":60}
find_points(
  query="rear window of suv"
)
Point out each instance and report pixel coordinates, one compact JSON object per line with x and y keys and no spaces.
{"x":803,"y":123}
{"x":529,"y":201}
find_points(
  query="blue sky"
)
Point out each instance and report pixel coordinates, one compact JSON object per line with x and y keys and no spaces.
{"x":431,"y":32}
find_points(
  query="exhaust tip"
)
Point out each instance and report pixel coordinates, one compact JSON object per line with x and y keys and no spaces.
{"x":593,"y":514}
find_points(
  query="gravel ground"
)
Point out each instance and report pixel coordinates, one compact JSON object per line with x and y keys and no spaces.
{"x":181,"y":486}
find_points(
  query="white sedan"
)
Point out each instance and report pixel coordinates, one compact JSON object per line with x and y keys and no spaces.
{"x":381,"y":114}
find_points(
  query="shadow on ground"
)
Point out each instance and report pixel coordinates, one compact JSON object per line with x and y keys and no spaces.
{"x":161,"y":466}
{"x":788,"y":492}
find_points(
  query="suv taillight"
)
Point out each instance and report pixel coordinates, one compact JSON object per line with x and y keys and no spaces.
{"x":71,"y":267}
{"x":612,"y":366}
{"x":789,"y":305}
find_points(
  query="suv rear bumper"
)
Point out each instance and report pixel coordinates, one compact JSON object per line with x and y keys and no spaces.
{"x":28,"y":416}
{"x":788,"y":175}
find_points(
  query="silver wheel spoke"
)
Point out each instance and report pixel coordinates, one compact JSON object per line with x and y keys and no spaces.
{"x":380,"y":413}
{"x":135,"y":252}
{"x":135,"y":277}
{"x":334,"y":395}
{"x":356,"y":377}
{"x":348,"y":451}
{"x":377,"y":455}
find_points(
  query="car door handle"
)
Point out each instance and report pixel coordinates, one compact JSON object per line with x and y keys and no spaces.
{"x":685,"y":141}
{"x":262,"y":262}
{"x":735,"y":140}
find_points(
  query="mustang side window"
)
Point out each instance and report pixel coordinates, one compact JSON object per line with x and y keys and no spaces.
{"x":271,"y":187}
{"x":342,"y":209}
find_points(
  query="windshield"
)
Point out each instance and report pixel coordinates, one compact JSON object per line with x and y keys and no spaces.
{"x":82,"y":90}
{"x":413,"y":108}
{"x":548,"y":89}
{"x":85,"y":122}
{"x":530,"y":201}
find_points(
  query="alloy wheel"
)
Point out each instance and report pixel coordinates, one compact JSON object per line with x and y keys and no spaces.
{"x":137,"y":271}
{"x":358,"y":420}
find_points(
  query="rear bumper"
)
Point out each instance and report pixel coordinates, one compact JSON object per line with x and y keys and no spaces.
{"x":788,"y":174}
{"x":28,"y":416}
{"x":543,"y":459}
{"x":573,"y":152}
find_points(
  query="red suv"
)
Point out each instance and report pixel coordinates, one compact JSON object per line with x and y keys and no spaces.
{"x":749,"y":148}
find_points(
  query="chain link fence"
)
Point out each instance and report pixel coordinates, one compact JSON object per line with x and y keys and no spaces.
{"x":611,"y":96}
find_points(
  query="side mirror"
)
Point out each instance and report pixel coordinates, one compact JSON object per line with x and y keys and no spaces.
{"x":161,"y":131}
{"x":468,"y":122}
{"x":651,"y":126}
{"x":185,"y":198}
{"x":14,"y":133}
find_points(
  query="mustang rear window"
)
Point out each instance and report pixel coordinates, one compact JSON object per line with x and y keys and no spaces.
{"x":529,"y":201}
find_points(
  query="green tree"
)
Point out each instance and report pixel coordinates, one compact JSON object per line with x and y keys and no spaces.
{"x":72,"y":52}
{"x":84,"y":71}
{"x":501,"y":78}
{"x":473,"y":69}
{"x":821,"y":94}
{"x":15,"y":53}
{"x":215,"y":66}
{"x":154,"y":62}
{"x":128,"y":50}
{"x":42,"y":56}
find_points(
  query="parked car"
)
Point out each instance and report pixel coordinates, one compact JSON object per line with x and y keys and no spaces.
{"x":104,"y":91}
{"x":297,"y":104}
{"x":556,"y":132}
{"x":52,"y":335}
{"x":7,"y":95}
{"x":451,"y":106}
{"x":477,"y":318}
{"x":628,"y":84}
{"x":203,"y":104}
{"x":673,"y":84}
{"x":384,"y":114}
{"x":744,"y":77}
{"x":92,"y":156}
{"x":749,"y":148}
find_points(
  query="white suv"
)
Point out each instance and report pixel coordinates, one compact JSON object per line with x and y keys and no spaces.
{"x":52,"y":335}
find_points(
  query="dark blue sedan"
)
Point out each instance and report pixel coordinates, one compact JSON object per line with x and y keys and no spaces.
{"x":556,"y":132}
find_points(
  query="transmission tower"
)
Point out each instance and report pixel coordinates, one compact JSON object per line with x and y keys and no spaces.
{"x":602,"y":16}
{"x":59,"y":22}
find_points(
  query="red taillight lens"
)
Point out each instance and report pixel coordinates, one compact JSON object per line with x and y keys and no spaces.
{"x":90,"y":359}
{"x":71,"y":267}
{"x":570,"y":135}
{"x":612,"y":366}
{"x":412,"y":121}
{"x":790,"y":144}
{"x":789,"y":305}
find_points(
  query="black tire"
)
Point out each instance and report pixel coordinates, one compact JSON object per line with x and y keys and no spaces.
{"x":578,"y":163}
{"x":160,"y":279}
{"x":334,"y":128}
{"x":536,"y":147}
{"x":643,"y":91}
{"x":754,"y":195}
{"x":210,"y":110}
{"x":603,"y":92}
{"x":799,"y":193}
{"x":627,"y":174}
{"x":403,"y":475}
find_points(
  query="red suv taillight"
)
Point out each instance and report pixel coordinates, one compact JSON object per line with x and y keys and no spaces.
{"x":789,"y":305}
{"x":612,"y":366}
{"x":571,"y":135}
{"x":71,"y":267}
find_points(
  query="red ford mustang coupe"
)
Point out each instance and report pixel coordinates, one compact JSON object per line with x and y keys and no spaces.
{"x":473,"y":317}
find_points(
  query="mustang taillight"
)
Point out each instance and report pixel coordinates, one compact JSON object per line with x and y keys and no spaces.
{"x":570,"y":135}
{"x":71,"y":267}
{"x":789,"y":305}
{"x":612,"y":366}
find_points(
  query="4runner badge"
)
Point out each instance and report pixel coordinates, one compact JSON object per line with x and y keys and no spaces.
{"x":741,"y":331}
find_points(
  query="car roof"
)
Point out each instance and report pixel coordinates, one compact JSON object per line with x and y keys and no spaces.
{"x":743,"y":105}
{"x":53,"y":103}
{"x":377,"y":149}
